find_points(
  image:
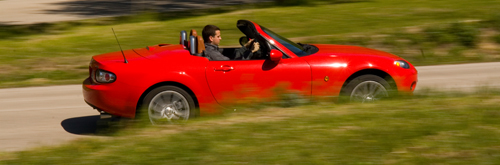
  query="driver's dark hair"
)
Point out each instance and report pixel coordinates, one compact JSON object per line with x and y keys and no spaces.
{"x":208,"y":31}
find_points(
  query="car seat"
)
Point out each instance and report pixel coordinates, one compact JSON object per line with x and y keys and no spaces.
{"x":196,"y":44}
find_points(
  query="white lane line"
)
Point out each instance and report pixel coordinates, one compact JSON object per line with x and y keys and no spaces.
{"x":42,"y":109}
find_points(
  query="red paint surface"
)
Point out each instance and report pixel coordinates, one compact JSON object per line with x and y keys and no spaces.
{"x":217,"y":84}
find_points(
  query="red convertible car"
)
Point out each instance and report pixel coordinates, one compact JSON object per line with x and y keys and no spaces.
{"x":177,"y":82}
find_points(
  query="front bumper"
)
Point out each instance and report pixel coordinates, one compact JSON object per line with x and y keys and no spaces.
{"x":407,"y":81}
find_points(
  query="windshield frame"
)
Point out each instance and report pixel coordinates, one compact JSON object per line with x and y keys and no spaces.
{"x":292,"y":46}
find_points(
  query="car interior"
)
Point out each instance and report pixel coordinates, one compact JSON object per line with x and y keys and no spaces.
{"x":196,"y":45}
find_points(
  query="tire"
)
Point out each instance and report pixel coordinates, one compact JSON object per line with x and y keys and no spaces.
{"x":366,"y":88}
{"x":168,"y":104}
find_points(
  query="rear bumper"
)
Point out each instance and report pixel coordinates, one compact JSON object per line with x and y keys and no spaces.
{"x":109,"y":98}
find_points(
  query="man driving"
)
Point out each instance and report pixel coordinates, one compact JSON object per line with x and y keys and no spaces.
{"x":211,"y":36}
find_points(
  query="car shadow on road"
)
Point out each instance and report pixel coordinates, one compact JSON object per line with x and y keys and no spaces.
{"x":86,"y":125}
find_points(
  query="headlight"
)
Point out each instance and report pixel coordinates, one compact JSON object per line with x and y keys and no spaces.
{"x":402,"y":64}
{"x":102,"y":76}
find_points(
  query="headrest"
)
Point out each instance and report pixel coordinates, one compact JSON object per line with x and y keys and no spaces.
{"x":193,"y":33}
{"x":196,"y":44}
{"x":201,"y":45}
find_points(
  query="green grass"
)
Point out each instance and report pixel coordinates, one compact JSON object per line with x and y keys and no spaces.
{"x":442,"y":128}
{"x":59,"y":53}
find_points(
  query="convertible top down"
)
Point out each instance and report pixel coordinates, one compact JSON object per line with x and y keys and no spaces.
{"x":178,"y":82}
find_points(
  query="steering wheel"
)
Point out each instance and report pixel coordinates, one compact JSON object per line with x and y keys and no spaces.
{"x":244,"y":40}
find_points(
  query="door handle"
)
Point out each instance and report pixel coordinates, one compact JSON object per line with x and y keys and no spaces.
{"x":224,"y":68}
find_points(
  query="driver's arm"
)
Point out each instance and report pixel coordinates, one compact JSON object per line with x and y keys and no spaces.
{"x":256,"y":47}
{"x":247,"y":50}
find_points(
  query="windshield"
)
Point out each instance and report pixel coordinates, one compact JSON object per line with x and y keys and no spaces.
{"x":292,"y":46}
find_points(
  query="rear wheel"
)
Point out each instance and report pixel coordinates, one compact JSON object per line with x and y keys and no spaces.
{"x":366,"y":88}
{"x":168,"y":104}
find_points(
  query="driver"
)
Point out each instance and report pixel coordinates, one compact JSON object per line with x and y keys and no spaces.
{"x":212,"y":37}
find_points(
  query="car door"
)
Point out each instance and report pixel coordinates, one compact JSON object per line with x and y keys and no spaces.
{"x":245,"y":81}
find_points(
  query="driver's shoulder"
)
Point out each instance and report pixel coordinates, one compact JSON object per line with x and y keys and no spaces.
{"x":209,"y":45}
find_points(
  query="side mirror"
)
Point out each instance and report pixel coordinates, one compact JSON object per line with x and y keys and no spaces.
{"x":243,"y":40}
{"x":275,"y":55}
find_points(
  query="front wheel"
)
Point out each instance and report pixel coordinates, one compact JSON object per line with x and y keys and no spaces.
{"x":366,"y":88}
{"x":168,"y":104}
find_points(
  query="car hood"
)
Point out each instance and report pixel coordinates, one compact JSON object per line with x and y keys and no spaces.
{"x":347,"y":50}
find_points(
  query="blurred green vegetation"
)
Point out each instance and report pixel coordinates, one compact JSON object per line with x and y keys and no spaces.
{"x":461,"y":33}
{"x":496,"y":38}
{"x":428,"y":128}
{"x":312,"y":2}
{"x":423,"y":32}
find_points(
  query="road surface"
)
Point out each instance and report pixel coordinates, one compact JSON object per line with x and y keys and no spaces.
{"x":19,"y":12}
{"x":38,"y":116}
{"x":461,"y":77}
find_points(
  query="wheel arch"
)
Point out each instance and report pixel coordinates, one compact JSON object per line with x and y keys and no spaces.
{"x":167,"y":83}
{"x":384,"y":75}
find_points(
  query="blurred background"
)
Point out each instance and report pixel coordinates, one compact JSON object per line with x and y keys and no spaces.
{"x":51,"y":42}
{"x":46,"y":11}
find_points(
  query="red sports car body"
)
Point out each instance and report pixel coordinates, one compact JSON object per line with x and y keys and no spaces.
{"x":176,"y":81}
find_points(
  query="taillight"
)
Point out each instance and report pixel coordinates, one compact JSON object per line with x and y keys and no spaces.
{"x":98,"y":75}
{"x":102,"y":76}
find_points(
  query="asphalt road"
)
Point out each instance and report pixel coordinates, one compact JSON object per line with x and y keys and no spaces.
{"x":461,"y":77}
{"x":39,"y":116}
{"x":19,"y":12}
